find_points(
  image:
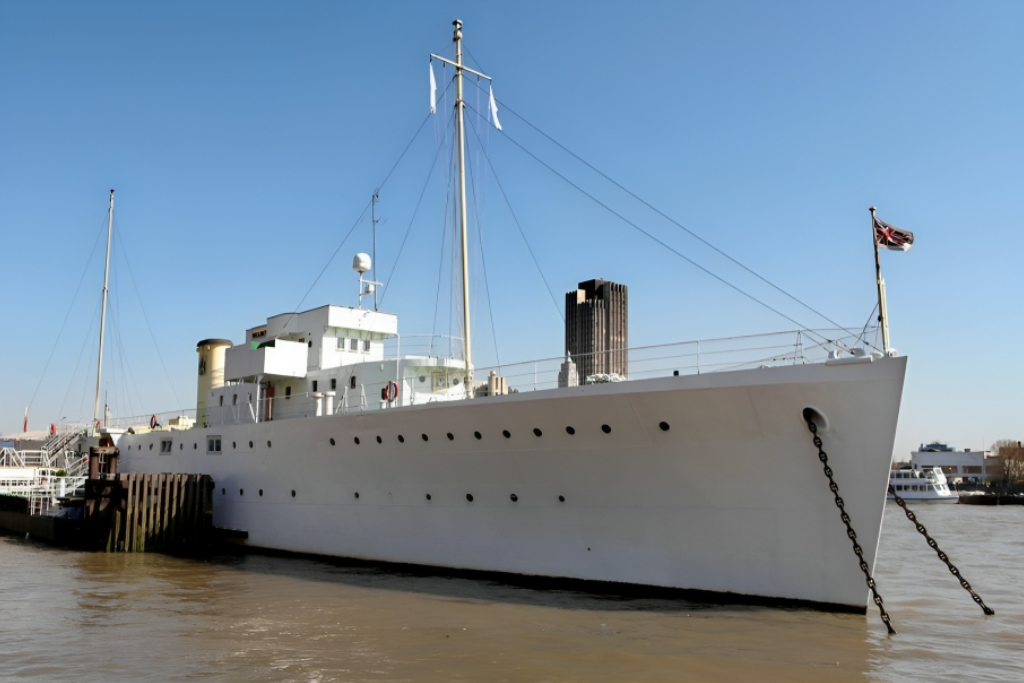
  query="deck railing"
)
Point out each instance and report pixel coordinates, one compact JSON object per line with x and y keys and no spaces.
{"x":662,"y":360}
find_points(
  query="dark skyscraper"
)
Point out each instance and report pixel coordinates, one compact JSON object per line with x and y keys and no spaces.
{"x":597,"y":328}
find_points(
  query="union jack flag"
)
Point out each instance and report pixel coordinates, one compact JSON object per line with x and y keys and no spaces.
{"x":891,"y":237}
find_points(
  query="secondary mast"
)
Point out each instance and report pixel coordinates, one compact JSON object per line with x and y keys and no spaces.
{"x":460,"y":105}
{"x":103,"y":315}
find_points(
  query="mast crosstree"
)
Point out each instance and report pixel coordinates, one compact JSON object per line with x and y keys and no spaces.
{"x":460,"y":105}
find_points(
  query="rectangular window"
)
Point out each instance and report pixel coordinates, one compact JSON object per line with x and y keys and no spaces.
{"x":341,"y":343}
{"x":213,"y":444}
{"x":366,"y":345}
{"x":314,"y":385}
{"x":334,"y":383}
{"x":165,"y":446}
{"x":234,"y":399}
{"x":353,"y":345}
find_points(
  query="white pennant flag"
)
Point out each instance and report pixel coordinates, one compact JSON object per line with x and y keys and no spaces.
{"x":433,"y":90}
{"x":494,"y":111}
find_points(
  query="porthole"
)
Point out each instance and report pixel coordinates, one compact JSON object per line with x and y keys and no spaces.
{"x":261,"y":493}
{"x":606,"y":429}
{"x":357,"y":494}
{"x":561,"y":499}
{"x":428,"y":496}
{"x":451,"y":437}
{"x":379,"y":440}
{"x":401,"y":439}
{"x":478,"y":435}
{"x":422,"y":378}
{"x":505,"y":433}
{"x":469,"y":497}
{"x":250,"y":444}
{"x":570,"y":431}
{"x":537,"y":432}
{"x":425,"y":438}
{"x":241,"y":492}
{"x":513,"y":498}
{"x":293,"y":493}
{"x":332,"y":441}
{"x":664,"y":426}
{"x":356,"y":440}
{"x":268,"y":444}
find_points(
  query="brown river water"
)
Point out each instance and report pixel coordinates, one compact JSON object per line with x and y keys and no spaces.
{"x":72,"y":616}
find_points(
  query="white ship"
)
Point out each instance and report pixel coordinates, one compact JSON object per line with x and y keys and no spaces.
{"x":325,"y":435}
{"x":921,"y":486}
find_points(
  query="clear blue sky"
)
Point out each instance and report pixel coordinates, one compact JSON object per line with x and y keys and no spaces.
{"x":244,"y":140}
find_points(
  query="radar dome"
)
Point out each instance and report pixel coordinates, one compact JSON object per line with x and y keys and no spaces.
{"x":361,"y":263}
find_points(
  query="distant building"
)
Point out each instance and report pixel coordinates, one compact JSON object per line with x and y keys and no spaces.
{"x":958,"y":466}
{"x":597,"y":329}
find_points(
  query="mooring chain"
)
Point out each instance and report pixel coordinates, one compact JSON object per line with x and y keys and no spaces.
{"x":834,"y":487}
{"x":942,"y":556}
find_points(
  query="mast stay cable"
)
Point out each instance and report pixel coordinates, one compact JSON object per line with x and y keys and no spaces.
{"x":516,"y":221}
{"x":67,"y":315}
{"x":380,"y":186}
{"x":671,"y":220}
{"x":444,"y":237}
{"x":149,"y":327}
{"x":664,"y":244}
{"x":415,"y":212}
{"x":483,"y":261}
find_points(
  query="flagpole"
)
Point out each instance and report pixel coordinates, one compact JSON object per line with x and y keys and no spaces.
{"x":883,"y":315}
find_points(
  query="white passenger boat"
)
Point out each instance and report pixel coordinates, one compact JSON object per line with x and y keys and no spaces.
{"x":327,"y":432}
{"x":927,"y":485}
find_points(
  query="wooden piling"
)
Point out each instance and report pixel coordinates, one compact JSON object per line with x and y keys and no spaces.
{"x":150,"y":512}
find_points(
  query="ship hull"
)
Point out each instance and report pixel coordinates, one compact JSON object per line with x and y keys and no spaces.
{"x":731,"y":498}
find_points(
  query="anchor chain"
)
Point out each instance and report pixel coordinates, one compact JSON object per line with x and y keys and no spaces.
{"x":942,"y":556}
{"x":834,"y":487}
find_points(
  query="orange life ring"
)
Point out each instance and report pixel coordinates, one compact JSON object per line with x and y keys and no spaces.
{"x":153,"y":424}
{"x":390,"y":391}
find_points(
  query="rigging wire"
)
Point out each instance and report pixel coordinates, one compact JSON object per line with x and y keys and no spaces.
{"x":149,"y":327}
{"x":666,"y":216}
{"x":120,"y":340}
{"x":81,"y":352}
{"x":361,"y":216}
{"x":660,"y":242}
{"x":520,"y":228}
{"x":440,"y":260}
{"x":415,"y":212}
{"x":78,"y":289}
{"x":483,"y":262}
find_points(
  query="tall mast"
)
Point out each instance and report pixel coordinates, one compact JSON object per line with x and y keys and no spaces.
{"x":103,"y":313}
{"x":460,"y":105}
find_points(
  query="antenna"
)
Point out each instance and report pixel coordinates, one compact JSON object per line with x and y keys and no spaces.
{"x":362,"y":264}
{"x":373,"y":220}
